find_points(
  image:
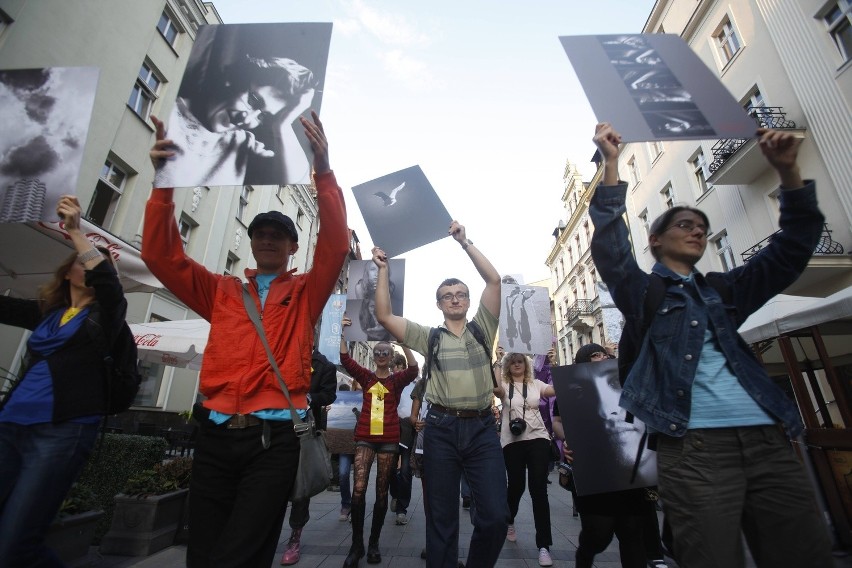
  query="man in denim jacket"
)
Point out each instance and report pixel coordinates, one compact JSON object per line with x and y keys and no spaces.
{"x":725,"y":464}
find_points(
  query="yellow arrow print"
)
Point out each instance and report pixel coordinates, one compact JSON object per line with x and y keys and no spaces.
{"x":377,"y":409}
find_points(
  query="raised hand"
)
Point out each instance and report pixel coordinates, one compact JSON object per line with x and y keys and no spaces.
{"x":68,"y":209}
{"x":457,"y":232}
{"x":319,"y":143}
{"x":781,"y":150}
{"x":163,"y":148}
{"x":379,"y":257}
{"x":607,"y":141}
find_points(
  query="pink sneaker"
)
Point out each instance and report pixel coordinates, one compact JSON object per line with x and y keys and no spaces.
{"x":510,"y":534}
{"x":292,"y":554}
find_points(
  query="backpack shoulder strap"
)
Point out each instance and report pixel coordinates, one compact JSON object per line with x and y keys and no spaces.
{"x":431,"y":351}
{"x":479,"y":335}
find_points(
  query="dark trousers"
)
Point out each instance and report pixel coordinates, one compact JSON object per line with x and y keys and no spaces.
{"x":451,"y":446}
{"x":238,"y":494}
{"x":530,"y":458}
{"x":597,"y":532}
{"x":718,"y":484}
{"x":400,"y":483}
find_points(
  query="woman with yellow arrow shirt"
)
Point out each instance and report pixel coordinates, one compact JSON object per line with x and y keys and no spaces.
{"x":376,"y":436}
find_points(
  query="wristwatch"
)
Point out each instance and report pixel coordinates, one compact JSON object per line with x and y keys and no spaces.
{"x":466,"y":244}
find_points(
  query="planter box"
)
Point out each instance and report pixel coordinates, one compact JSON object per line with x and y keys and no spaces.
{"x":71,"y":537}
{"x":141,"y":527}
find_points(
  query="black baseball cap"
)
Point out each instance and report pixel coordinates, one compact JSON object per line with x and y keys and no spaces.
{"x":274,"y":218}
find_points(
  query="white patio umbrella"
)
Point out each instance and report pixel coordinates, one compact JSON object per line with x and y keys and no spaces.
{"x":769,"y":320}
{"x":177,"y":343}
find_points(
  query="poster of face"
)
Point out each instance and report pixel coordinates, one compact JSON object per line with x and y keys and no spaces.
{"x":44,"y":121}
{"x":361,"y":299}
{"x":402,"y":211}
{"x":654,"y":87}
{"x":331,"y":328}
{"x":525,"y":319}
{"x":235,"y":120}
{"x":604,"y":443}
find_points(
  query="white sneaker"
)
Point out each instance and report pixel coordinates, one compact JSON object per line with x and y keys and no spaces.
{"x":544,"y":558}
{"x":510,"y":534}
{"x":401,"y":519}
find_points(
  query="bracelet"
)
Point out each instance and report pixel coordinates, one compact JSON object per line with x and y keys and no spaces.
{"x":90,"y":254}
{"x":466,"y":244}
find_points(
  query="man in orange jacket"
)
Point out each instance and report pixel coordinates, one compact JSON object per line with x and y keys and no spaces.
{"x":247,"y":451}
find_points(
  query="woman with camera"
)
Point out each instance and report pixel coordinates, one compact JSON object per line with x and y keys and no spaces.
{"x":526,"y":446}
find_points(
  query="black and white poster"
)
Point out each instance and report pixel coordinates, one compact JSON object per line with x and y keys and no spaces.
{"x":654,"y":87}
{"x":402,"y":211}
{"x":235,"y":120}
{"x":525,"y":325}
{"x":361,"y":299}
{"x":605,"y":445}
{"x":44,"y":121}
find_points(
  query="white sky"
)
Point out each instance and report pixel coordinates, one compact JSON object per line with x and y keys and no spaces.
{"x":480,"y":94}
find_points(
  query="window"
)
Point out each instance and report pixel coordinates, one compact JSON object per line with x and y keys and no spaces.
{"x":667,"y":194}
{"x":300,"y":217}
{"x":108,"y":190}
{"x":587,"y":232}
{"x":727,"y":40}
{"x":570,"y":257}
{"x":655,"y":148}
{"x":230,"y":263}
{"x":646,"y":226}
{"x":244,"y":199}
{"x":561,"y":268}
{"x":724,"y":251}
{"x":699,"y":171}
{"x":167,"y":28}
{"x":152,"y":377}
{"x":185,"y":230}
{"x":579,"y":249}
{"x":838,"y":19}
{"x":144,"y":91}
{"x":584,"y":289}
{"x":633,"y":171}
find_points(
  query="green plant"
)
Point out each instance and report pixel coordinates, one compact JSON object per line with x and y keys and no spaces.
{"x":185,"y":414}
{"x":116,"y":458}
{"x":79,"y":500}
{"x":162,"y":478}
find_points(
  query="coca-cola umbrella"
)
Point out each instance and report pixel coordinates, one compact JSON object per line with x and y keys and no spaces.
{"x":178,"y":343}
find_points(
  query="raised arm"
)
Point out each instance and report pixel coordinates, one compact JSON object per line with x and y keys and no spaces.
{"x":409,"y":356}
{"x":333,"y":238}
{"x":394,"y":324}
{"x":491,"y":295}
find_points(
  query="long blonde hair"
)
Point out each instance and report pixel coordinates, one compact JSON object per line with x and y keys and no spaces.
{"x":507,"y":363}
{"x":57,"y":292}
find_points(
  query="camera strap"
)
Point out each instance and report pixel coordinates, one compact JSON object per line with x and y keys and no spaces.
{"x":523,"y":394}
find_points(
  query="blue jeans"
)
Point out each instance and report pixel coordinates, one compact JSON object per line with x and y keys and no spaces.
{"x":38,"y":465}
{"x":452,"y":446}
{"x":343,"y":469}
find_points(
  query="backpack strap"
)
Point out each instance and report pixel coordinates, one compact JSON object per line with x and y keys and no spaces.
{"x":479,"y":335}
{"x":432,"y":349}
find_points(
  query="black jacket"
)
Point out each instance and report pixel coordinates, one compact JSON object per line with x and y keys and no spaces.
{"x":77,"y":368}
{"x":323,"y":386}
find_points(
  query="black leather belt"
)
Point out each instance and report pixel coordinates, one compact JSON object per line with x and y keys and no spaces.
{"x":239,"y":421}
{"x":461,"y":412}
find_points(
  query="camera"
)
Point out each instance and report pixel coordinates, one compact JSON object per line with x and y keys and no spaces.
{"x":517,"y":426}
{"x":565,"y":468}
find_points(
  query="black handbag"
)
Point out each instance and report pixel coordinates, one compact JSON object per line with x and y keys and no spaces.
{"x":314,"y":473}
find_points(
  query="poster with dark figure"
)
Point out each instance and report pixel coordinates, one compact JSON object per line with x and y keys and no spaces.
{"x":654,"y":87}
{"x":361,"y":299}
{"x":44,"y":121}
{"x":235,"y":120}
{"x":605,"y":445}
{"x":524,"y":318}
{"x":402,"y":211}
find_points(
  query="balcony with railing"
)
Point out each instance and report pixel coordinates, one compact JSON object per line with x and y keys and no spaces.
{"x":581,"y":314}
{"x":827,"y":263}
{"x":738,"y":160}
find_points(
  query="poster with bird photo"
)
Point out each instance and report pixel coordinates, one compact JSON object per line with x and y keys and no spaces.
{"x":402,"y":211}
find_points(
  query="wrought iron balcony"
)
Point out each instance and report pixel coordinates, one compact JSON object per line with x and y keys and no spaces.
{"x":826,"y":245}
{"x":765,"y":117}
{"x":578,"y":309}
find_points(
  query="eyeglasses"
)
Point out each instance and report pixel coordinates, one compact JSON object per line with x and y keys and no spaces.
{"x":599,"y":355}
{"x":689,"y":227}
{"x":460,"y":296}
{"x":381,"y":353}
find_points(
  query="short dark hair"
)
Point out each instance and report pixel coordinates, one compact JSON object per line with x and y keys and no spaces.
{"x":399,"y":360}
{"x":449,"y":282}
{"x":584,"y":353}
{"x":663,"y":222}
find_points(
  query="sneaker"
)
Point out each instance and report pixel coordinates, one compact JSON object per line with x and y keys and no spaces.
{"x":544,"y":558}
{"x":401,"y":519}
{"x":510,"y":534}
{"x":657,"y":564}
{"x":344,"y":514}
{"x":292,"y":554}
{"x":465,"y":502}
